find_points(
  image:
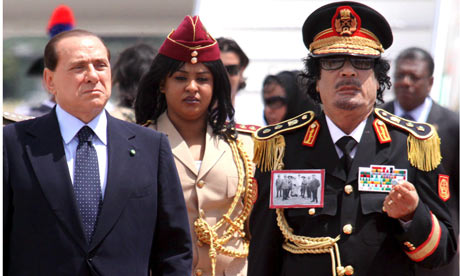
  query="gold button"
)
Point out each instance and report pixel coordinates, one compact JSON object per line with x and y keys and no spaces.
{"x":311,"y":211}
{"x":349,"y":270}
{"x":348,"y":189}
{"x":407,"y":243}
{"x":198,"y":272}
{"x":412,"y":248}
{"x":200,"y":184}
{"x":347,"y":229}
{"x":194,"y":53}
{"x":194,"y":60}
{"x":199,"y":243}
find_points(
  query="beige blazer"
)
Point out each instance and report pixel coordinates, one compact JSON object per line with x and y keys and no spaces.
{"x":209,"y":190}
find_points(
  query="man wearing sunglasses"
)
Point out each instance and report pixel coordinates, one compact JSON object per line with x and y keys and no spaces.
{"x":368,"y":223}
{"x":235,"y":62}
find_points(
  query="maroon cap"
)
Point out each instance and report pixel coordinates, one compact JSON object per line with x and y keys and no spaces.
{"x":190,"y":42}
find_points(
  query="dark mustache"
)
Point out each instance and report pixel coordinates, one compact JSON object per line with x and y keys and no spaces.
{"x":348,"y":82}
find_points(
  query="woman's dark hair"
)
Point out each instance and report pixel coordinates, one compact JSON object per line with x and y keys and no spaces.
{"x":230,"y":45}
{"x":297,"y":100}
{"x":150,"y":103}
{"x":312,"y":71}
{"x":131,"y":65}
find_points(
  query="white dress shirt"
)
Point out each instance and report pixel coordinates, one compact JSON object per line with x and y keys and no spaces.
{"x":69,"y":126}
{"x":420,"y":113}
{"x":337,"y":133}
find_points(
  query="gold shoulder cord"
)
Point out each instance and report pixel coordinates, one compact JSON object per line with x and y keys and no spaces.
{"x":308,"y":245}
{"x":208,"y":234}
{"x":268,"y":155}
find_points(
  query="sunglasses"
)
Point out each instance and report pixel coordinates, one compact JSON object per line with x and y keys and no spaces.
{"x":338,"y":62}
{"x":232,"y":70}
{"x":275,"y":102}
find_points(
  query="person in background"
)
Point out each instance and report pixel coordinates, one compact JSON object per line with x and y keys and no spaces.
{"x":283,"y":98}
{"x":62,"y":19}
{"x":413,"y":79}
{"x":132,"y":64}
{"x":84,"y":193}
{"x":186,"y":95}
{"x":235,"y":62}
{"x":362,"y":227}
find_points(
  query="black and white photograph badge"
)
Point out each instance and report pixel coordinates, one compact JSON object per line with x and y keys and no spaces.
{"x":297,"y":189}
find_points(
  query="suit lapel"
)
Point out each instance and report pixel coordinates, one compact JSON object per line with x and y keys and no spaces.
{"x":178,"y":146}
{"x":369,"y":152}
{"x":120,"y":141}
{"x":212,"y":153}
{"x":48,"y":160}
{"x":435,"y":115}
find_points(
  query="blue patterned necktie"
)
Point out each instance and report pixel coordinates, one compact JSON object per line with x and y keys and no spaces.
{"x":346,"y":145}
{"x":408,"y":116}
{"x":86,"y":181}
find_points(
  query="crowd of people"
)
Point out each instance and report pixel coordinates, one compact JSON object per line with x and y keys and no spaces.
{"x":170,"y":184}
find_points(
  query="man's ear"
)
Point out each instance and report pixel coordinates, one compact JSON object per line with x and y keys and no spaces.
{"x":48,"y":81}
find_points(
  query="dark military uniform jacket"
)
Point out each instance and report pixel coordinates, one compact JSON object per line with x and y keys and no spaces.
{"x":376,"y":244}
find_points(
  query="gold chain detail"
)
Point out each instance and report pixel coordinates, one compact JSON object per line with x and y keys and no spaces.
{"x":308,"y":245}
{"x":208,"y":234}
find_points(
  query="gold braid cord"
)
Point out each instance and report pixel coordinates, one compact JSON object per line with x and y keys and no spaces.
{"x":308,"y":245}
{"x":208,"y":234}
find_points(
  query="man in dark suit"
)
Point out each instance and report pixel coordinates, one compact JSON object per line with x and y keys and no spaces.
{"x":413,"y":79}
{"x":367,"y":226}
{"x":107,"y":204}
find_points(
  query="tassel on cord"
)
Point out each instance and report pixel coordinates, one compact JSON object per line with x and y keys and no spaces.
{"x":424,"y":154}
{"x":268,"y":154}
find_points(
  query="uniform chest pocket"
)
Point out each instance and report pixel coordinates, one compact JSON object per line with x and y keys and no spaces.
{"x":372,"y":202}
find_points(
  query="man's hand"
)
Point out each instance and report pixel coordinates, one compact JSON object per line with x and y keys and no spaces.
{"x":402,"y":201}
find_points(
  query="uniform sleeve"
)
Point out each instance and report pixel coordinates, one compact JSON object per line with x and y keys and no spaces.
{"x":430,"y":239}
{"x":172,"y":248}
{"x":266,"y":239}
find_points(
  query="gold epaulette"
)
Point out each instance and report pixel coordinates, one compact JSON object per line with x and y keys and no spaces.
{"x":269,"y":143}
{"x":423,"y":143}
{"x":246,"y":128}
{"x":9,"y":118}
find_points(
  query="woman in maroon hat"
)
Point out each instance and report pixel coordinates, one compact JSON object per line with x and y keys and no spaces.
{"x":186,"y":94}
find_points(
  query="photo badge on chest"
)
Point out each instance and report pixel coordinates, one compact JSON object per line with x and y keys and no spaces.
{"x":380,"y":178}
{"x":297,"y":189}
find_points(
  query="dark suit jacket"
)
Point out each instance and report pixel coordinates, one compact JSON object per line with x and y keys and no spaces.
{"x":143,"y":221}
{"x":377,"y":243}
{"x":447,"y":124}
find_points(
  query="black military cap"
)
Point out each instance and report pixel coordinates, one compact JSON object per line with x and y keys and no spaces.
{"x":346,"y":28}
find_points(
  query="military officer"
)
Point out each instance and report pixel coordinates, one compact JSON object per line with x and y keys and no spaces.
{"x":367,"y":226}
{"x":186,"y":95}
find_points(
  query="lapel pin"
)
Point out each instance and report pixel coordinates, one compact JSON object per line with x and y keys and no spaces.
{"x":132,"y":152}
